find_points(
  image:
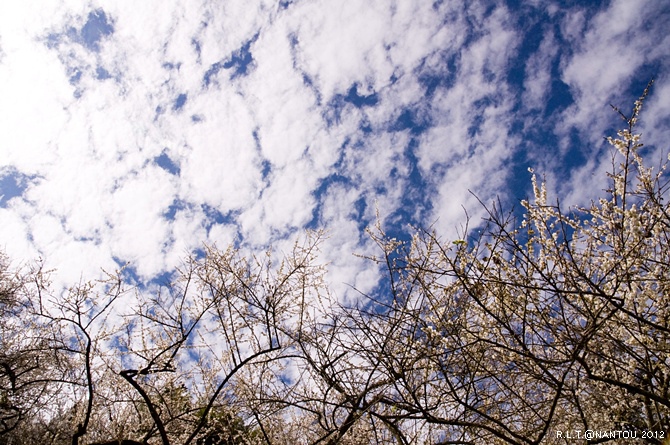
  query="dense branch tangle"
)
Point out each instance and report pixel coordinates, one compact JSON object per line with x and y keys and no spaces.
{"x":557,"y":323}
{"x":557,"y":320}
{"x":224,"y":314}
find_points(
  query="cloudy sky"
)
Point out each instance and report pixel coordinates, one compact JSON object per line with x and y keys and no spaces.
{"x":134,"y":132}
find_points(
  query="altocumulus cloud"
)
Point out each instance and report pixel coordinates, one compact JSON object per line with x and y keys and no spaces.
{"x":136,"y":132}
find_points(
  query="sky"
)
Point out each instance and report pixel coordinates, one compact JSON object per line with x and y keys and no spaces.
{"x":136,"y":132}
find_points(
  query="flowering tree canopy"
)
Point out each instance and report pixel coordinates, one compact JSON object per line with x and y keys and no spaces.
{"x":532,"y":327}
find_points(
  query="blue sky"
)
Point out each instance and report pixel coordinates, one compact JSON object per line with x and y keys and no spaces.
{"x":136,"y":132}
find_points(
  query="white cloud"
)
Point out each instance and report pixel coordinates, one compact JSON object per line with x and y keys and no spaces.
{"x":31,"y":80}
{"x":336,"y":41}
{"x":537,"y":84}
{"x":471,"y":138}
{"x":256,"y":152}
{"x":219,"y":162}
{"x":18,"y":246}
{"x":610,"y":53}
{"x":612,"y":49}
